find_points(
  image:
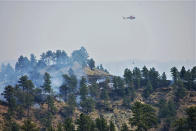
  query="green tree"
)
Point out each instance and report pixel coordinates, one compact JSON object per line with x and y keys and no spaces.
{"x":175,"y":74}
{"x":193,"y":72}
{"x":91,"y":63}
{"x":61,"y":57}
{"x":104,"y":95}
{"x":182,"y":72}
{"x":68,"y":125}
{"x":80,"y":56}
{"x":127,"y":101}
{"x":38,"y":96}
{"x":189,"y":80}
{"x":49,"y":101}
{"x":119,"y":88}
{"x":144,"y":116}
{"x":112,"y":126}
{"x":48,"y":90}
{"x":164,"y":77}
{"x":21,"y":65}
{"x":137,"y":77}
{"x":72,"y":100}
{"x":69,"y":110}
{"x":29,"y":126}
{"x":128,"y":76}
{"x":69,"y":86}
{"x":189,"y":123}
{"x":180,"y":91}
{"x":191,"y":119}
{"x":64,"y":90}
{"x":145,"y":73}
{"x":148,"y":90}
{"x":124,"y":127}
{"x":118,"y":82}
{"x":11,"y":125}
{"x":129,"y":97}
{"x":85,"y":123}
{"x":29,"y":95}
{"x":59,"y":127}
{"x":9,"y":95}
{"x":33,"y":60}
{"x":154,"y":77}
{"x":83,"y":89}
{"x":47,"y":83}
{"x":25,"y":95}
{"x":94,"y":90}
{"x":171,"y":108}
{"x":71,"y":82}
{"x":163,"y":108}
{"x":88,"y":104}
{"x":181,"y":125}
{"x":164,"y":81}
{"x":167,"y":109}
{"x":101,"y":124}
{"x":193,"y":77}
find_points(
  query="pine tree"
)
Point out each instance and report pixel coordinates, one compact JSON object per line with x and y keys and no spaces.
{"x":69,"y":110}
{"x":175,"y":74}
{"x":191,"y":119}
{"x":88,"y":104}
{"x":144,"y":116}
{"x":47,"y":83}
{"x":49,"y":100}
{"x":180,"y":91}
{"x":84,"y":123}
{"x":101,"y":124}
{"x":83,"y":89}
{"x":94,"y":90}
{"x":148,"y":90}
{"x":9,"y":95}
{"x":137,"y":77}
{"x":163,"y":81}
{"x":124,"y":127}
{"x":29,"y":126}
{"x":112,"y":126}
{"x":104,"y":95}
{"x":182,"y":73}
{"x":25,"y":95}
{"x":188,"y":123}
{"x":68,"y":125}
{"x":154,"y":77}
{"x":91,"y":64}
{"x":181,"y":125}
{"x":145,"y":73}
{"x":59,"y":127}
{"x":128,"y":76}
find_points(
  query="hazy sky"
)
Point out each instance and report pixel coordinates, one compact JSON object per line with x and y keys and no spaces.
{"x":162,"y":31}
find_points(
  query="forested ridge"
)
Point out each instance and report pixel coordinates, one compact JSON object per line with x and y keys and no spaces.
{"x":69,"y":93}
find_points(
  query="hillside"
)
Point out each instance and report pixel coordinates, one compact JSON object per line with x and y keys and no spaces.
{"x":60,"y":91}
{"x":118,"y":113}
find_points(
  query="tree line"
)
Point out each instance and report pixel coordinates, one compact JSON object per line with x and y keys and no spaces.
{"x":56,"y":60}
{"x":24,"y":95}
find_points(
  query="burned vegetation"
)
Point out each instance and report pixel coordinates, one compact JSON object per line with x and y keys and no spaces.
{"x":69,"y":93}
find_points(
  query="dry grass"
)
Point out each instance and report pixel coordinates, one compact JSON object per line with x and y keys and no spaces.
{"x":95,"y":72}
{"x":119,"y":115}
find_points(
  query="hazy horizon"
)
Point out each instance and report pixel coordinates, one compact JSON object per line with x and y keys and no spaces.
{"x":163,"y":32}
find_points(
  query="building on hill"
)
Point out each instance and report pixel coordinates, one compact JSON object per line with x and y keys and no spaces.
{"x":101,"y":80}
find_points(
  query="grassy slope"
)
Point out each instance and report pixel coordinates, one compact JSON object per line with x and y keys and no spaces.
{"x":95,"y":72}
{"x":119,"y":115}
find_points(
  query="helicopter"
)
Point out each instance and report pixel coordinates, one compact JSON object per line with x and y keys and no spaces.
{"x":129,"y":17}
